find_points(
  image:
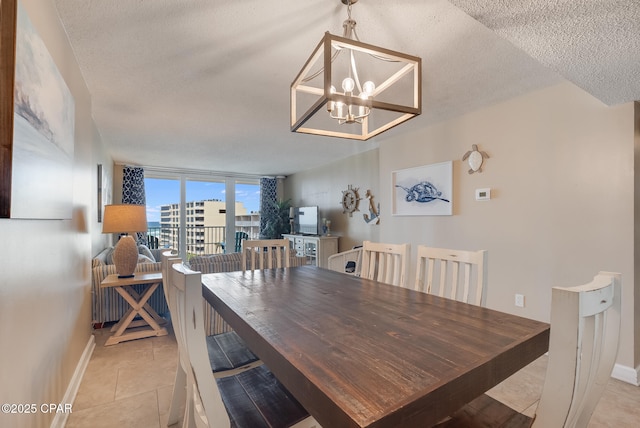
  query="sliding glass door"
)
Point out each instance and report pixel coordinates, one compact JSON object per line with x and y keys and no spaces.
{"x":201,"y":216}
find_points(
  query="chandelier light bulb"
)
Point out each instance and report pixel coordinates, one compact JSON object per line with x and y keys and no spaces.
{"x":362,"y":110}
{"x":348,"y":84}
{"x":369,"y":87}
{"x":331,"y":104}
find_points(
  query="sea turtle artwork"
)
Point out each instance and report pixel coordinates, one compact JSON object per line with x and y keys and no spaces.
{"x":422,"y":192}
{"x":475,"y":158}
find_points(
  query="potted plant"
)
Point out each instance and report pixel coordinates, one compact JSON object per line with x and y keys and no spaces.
{"x":276,"y":220}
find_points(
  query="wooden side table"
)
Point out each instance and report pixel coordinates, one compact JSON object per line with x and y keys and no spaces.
{"x":150,"y":324}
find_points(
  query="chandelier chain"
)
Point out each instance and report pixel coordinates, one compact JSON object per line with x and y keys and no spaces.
{"x":349,"y":31}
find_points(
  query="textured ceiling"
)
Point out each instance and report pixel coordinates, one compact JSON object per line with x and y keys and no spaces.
{"x":204,"y":84}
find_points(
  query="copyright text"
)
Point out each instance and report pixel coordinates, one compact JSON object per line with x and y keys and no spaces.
{"x":25,"y":408}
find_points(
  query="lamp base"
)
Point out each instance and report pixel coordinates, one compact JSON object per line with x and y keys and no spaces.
{"x":125,"y":257}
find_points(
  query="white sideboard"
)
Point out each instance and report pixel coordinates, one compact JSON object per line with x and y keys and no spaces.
{"x":317,"y":249}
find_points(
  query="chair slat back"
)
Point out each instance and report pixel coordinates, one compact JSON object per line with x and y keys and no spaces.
{"x":585,"y":328}
{"x":265,"y":254}
{"x":454,"y":274}
{"x":385,"y":262}
{"x":168,"y":258}
{"x":206,"y":409}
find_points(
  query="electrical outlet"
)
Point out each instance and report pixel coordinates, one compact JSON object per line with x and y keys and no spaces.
{"x":520,"y":300}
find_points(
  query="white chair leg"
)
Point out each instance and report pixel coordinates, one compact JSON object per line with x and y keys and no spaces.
{"x":179,"y":396}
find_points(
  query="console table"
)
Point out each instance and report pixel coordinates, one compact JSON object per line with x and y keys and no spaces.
{"x":150,"y":324}
{"x":316,"y":248}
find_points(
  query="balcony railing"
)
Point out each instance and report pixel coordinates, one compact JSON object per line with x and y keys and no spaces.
{"x":200,"y":239}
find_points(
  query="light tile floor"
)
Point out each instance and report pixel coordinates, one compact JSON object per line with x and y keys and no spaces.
{"x":126,"y":385}
{"x":130,"y":385}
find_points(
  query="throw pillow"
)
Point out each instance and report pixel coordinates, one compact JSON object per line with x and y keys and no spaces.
{"x":145,"y":251}
{"x":144,"y":259}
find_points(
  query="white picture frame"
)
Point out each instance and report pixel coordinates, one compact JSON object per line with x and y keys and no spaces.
{"x":423,"y":190}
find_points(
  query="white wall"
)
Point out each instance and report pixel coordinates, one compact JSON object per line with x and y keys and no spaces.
{"x":323,"y":187}
{"x":561,"y":171}
{"x":45,"y":300}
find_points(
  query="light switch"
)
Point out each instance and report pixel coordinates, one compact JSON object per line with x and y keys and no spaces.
{"x":483,"y":194}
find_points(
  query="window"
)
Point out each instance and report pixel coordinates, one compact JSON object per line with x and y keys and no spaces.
{"x":207,"y":213}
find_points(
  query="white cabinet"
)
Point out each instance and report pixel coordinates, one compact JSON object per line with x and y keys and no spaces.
{"x":317,"y":249}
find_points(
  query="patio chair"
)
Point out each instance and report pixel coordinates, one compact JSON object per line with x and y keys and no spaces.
{"x":240,"y":236}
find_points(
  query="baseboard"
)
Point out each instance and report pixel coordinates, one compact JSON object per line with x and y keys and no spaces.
{"x":626,"y":374}
{"x":60,"y":420}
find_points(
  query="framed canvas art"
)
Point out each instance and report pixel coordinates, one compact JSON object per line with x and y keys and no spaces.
{"x":41,"y":144}
{"x":99,"y":192}
{"x":424,"y":190}
{"x":7,"y":70}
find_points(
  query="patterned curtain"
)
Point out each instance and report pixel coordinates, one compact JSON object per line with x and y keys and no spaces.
{"x":133,"y":192}
{"x":268,"y":197}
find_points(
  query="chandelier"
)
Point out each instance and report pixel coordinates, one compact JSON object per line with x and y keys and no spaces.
{"x":355,"y":90}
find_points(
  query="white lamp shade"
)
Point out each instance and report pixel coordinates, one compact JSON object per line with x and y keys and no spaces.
{"x":124,"y":218}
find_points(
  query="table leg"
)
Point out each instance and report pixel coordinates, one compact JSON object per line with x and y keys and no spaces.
{"x":148,"y":307}
{"x":148,"y":326}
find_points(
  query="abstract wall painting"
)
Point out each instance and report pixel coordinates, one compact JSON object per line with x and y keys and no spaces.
{"x":7,"y":71}
{"x":424,"y":190}
{"x":43,"y":131}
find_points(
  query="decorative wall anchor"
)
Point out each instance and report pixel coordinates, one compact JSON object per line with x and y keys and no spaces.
{"x":350,"y":200}
{"x":475,"y":158}
{"x":374,"y":212}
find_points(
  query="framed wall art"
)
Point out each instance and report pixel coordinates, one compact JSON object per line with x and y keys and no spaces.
{"x":37,"y":155}
{"x":7,"y":70}
{"x":100,"y":192}
{"x":424,"y":190}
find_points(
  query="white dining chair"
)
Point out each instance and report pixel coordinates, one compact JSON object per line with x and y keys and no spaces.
{"x":179,"y":396}
{"x":228,"y":354}
{"x":585,"y":331}
{"x":454,"y":274}
{"x":385,"y":262}
{"x":265,"y":254}
{"x":246,"y":400}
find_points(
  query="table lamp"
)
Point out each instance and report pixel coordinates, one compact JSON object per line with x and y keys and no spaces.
{"x":124,"y":218}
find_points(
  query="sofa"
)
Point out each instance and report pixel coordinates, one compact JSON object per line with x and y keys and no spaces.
{"x":109,"y":306}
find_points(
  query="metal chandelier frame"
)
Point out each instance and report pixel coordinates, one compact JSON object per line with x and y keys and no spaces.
{"x":313,"y":89}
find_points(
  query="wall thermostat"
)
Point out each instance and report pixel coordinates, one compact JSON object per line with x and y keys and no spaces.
{"x":483,"y":194}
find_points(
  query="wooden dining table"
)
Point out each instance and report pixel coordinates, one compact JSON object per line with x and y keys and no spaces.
{"x":360,"y":353}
